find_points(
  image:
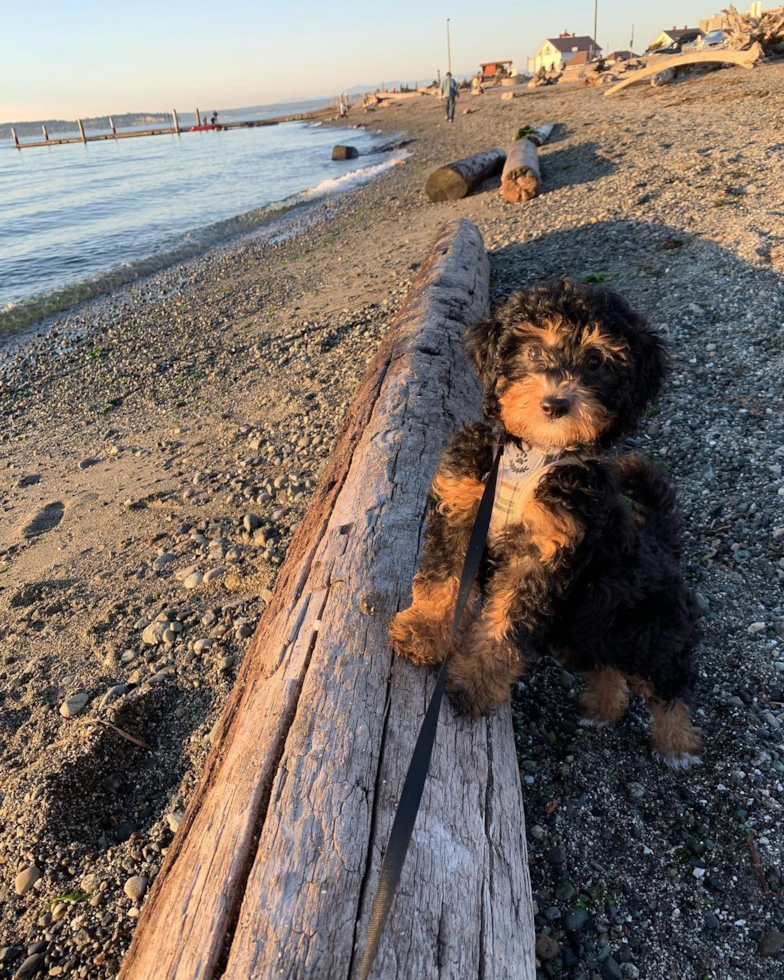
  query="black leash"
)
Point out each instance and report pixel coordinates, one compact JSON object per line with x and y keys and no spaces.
{"x":411,"y":795}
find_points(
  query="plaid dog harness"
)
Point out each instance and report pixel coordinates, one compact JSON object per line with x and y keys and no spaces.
{"x":522,"y":467}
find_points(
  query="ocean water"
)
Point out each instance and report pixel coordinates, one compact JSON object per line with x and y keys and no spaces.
{"x":78,"y":220}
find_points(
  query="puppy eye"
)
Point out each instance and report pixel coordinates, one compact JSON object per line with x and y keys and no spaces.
{"x":594,"y":360}
{"x":534,"y":353}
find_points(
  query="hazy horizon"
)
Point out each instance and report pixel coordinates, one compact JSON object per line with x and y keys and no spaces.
{"x":66,"y":63}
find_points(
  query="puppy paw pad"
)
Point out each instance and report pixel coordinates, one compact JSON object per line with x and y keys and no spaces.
{"x":586,"y":722}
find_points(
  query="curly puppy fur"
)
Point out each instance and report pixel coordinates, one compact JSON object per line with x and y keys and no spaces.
{"x":588,"y":569}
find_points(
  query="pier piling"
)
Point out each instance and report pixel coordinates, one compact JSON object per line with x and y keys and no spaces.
{"x":111,"y":124}
{"x":16,"y":138}
{"x":81,"y":131}
{"x":176,"y":122}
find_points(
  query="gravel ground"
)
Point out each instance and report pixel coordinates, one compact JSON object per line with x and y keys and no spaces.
{"x":160,"y":445}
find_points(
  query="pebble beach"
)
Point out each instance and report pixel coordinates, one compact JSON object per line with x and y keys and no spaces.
{"x":160,"y":444}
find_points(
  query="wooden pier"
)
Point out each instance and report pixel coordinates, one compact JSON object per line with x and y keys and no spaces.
{"x":174,"y":130}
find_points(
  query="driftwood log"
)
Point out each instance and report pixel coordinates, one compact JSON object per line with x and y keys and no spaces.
{"x":458,"y":179}
{"x":275,"y":865}
{"x":521,"y":180}
{"x":657,"y":64}
{"x":341,"y":152}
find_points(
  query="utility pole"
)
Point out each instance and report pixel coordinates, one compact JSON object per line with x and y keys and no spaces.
{"x":631,"y":43}
{"x":448,"y":48}
{"x":595,"y":26}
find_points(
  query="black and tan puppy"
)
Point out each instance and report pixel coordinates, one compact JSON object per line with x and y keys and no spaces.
{"x":582,"y":556}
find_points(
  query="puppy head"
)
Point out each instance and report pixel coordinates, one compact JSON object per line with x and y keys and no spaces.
{"x":566,"y":364}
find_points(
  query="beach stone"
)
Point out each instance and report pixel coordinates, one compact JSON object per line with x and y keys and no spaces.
{"x":136,"y":888}
{"x":214,"y":574}
{"x":85,"y":464}
{"x":250,"y":522}
{"x":32,"y":965}
{"x":153,"y":634}
{"x":203,"y":644}
{"x":174,"y":820}
{"x":575,"y":920}
{"x":556,"y":856}
{"x":73,"y":705}
{"x":547,"y":948}
{"x":10,"y":953}
{"x":771,"y":944}
{"x":112,"y":694}
{"x":611,"y":970}
{"x":26,"y":879}
{"x":194,"y":580}
{"x":162,"y":561}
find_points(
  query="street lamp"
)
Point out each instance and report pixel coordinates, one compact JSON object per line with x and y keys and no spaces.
{"x":448,"y":48}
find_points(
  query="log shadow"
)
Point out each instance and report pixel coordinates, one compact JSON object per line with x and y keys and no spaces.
{"x":572,"y":165}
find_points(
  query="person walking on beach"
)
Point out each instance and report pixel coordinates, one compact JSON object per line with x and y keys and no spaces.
{"x":449,"y":95}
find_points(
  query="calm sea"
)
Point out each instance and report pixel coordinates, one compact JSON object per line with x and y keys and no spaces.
{"x":78,"y":220}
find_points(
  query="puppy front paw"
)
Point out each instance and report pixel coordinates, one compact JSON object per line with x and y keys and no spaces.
{"x":418,"y":638}
{"x":473,"y":697}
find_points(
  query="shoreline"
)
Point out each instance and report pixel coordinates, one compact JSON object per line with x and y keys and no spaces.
{"x":36,"y":310}
{"x":161,"y":443}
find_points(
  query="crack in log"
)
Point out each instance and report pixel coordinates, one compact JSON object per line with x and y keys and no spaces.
{"x":233,"y":911}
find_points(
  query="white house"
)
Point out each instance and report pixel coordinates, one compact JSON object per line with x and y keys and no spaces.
{"x":554,"y":53}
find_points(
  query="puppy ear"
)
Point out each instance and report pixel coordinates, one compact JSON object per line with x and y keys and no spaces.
{"x":653,"y":364}
{"x":481,"y":344}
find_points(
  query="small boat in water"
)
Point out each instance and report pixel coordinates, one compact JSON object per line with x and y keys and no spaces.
{"x":202,"y":129}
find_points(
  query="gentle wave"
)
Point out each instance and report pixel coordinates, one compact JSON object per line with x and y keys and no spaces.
{"x":196,"y":242}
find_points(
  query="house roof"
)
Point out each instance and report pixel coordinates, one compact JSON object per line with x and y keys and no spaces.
{"x":581,"y":58}
{"x":498,"y":61}
{"x":565,"y":44}
{"x":620,"y":56}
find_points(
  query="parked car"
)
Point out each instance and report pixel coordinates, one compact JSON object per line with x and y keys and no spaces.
{"x":673,"y":48}
{"x":713,"y":39}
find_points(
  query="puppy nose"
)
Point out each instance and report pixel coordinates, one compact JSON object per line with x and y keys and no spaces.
{"x":555,"y":407}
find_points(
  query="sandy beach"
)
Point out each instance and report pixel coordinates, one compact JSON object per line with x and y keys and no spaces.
{"x":160,"y":444}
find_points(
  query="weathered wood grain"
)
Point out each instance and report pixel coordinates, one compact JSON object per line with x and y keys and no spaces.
{"x":521,"y":180}
{"x":657,"y":63}
{"x":276,"y":862}
{"x":457,"y":180}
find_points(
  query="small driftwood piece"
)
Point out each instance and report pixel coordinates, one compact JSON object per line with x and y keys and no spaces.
{"x":276,"y":863}
{"x":521,"y":180}
{"x":541,"y":134}
{"x":657,"y":64}
{"x":458,"y":179}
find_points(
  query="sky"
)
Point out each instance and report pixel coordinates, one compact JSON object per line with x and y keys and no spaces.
{"x":70,"y":58}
